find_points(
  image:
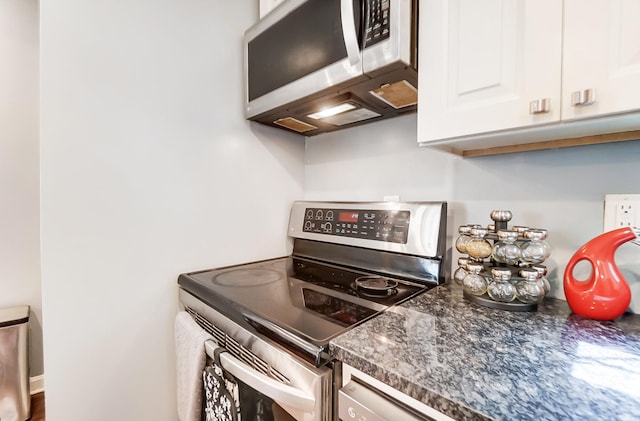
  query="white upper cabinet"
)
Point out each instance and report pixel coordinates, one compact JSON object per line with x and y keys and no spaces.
{"x":601,"y":56}
{"x":498,"y":73}
{"x":483,"y":62}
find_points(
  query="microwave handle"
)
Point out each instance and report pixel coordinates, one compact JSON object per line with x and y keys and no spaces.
{"x":277,"y":391}
{"x":349,"y":31}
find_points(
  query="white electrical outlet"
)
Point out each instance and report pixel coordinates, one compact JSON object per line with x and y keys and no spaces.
{"x":621,"y":210}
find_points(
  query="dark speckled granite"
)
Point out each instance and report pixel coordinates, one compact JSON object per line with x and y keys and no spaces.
{"x":472,"y":362}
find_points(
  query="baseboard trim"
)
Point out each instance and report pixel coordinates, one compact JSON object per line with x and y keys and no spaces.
{"x":36,"y":384}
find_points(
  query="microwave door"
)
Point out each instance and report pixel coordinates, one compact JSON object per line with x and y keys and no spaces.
{"x":300,"y":49}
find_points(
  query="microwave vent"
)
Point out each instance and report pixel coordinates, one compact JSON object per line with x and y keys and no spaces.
{"x":295,"y":124}
{"x":398,"y":94}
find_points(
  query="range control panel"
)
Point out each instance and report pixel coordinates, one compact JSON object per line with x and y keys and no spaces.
{"x":382,"y":225}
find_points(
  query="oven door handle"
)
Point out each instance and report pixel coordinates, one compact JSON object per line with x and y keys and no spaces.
{"x":319,"y":354}
{"x":281,"y":393}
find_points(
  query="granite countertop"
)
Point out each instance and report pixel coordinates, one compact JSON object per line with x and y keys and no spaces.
{"x":473,"y":362}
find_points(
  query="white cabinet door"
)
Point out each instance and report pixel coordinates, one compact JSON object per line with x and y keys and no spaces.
{"x":482,"y":62}
{"x":602,"y":53}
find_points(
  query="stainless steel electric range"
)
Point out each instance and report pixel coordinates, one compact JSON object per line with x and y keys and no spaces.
{"x":275,"y":318}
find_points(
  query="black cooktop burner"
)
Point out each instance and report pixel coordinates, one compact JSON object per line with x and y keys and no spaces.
{"x":375,"y":286}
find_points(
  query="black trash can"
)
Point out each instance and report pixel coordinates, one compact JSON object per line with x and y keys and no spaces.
{"x":15,"y":397}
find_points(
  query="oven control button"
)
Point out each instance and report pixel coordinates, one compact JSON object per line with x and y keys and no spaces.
{"x":309,"y":214}
{"x":319,"y":214}
{"x":327,"y":227}
{"x":329,"y":216}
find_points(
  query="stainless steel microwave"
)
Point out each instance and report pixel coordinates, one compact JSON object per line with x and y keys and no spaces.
{"x":314,"y":66}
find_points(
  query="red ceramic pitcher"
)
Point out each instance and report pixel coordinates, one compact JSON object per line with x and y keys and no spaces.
{"x":605,"y":295}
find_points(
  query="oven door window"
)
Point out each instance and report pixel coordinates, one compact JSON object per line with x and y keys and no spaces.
{"x":233,"y":400}
{"x":256,"y":406}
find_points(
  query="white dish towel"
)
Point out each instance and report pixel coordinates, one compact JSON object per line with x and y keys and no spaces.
{"x":190,"y":362}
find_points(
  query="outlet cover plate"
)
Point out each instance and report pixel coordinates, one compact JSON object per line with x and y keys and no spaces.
{"x":621,"y":210}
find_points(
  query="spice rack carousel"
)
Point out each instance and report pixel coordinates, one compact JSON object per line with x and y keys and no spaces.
{"x":503,"y":266}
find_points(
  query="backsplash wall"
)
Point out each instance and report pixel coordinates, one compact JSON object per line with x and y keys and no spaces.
{"x":561,"y":190}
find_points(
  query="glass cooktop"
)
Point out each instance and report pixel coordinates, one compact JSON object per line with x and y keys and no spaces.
{"x":312,"y":300}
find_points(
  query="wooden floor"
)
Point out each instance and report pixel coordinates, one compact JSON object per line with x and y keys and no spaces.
{"x":37,"y":407}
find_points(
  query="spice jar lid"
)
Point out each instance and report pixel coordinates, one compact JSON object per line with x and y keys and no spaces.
{"x":529,"y":274}
{"x":510,"y":235}
{"x":535,"y":234}
{"x":542,"y":230}
{"x":520,"y":229}
{"x":481,"y":232}
{"x":464,"y":229}
{"x":501,"y":215}
{"x":502,"y":274}
{"x":463,"y":261}
{"x":542,"y":269}
{"x":474,"y":267}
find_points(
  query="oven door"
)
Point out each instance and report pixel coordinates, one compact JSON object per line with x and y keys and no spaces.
{"x":261,"y":397}
{"x":272,"y":383}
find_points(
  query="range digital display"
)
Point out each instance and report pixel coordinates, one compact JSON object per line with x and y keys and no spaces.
{"x":348,"y":216}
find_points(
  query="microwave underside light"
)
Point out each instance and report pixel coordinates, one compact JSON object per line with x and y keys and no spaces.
{"x":340,"y":108}
{"x":348,"y":117}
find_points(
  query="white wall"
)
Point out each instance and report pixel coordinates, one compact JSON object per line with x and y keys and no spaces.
{"x":561,"y":190}
{"x":148,"y":170}
{"x":19,"y":189}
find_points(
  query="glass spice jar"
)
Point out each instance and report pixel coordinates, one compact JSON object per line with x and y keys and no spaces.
{"x":542,"y":271}
{"x":500,"y":287}
{"x":474,"y":283}
{"x":529,"y":290}
{"x":461,"y":272}
{"x":505,"y":250}
{"x":464,"y":232}
{"x":478,"y":247}
{"x":536,"y":250}
{"x":520,"y":229}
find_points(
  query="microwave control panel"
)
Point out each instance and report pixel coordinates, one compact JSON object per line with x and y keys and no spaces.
{"x":377,"y":22}
{"x":380,"y":225}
